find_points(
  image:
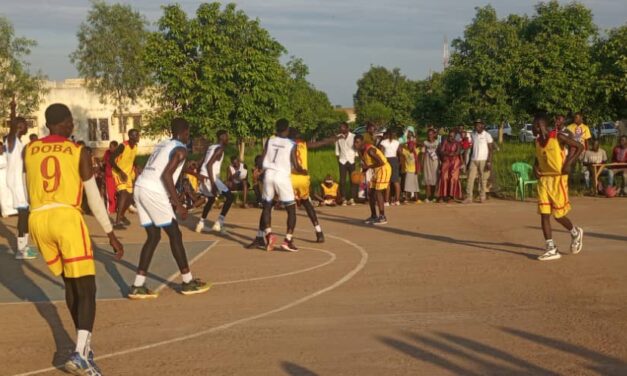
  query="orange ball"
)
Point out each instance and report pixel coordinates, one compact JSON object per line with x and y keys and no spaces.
{"x":357,"y":177}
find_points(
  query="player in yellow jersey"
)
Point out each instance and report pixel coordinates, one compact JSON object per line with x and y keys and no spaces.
{"x":57,"y":172}
{"x":123,"y":168}
{"x":373,"y":159}
{"x":551,"y":168}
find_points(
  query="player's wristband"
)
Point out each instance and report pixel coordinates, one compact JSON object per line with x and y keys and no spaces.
{"x":97,"y":205}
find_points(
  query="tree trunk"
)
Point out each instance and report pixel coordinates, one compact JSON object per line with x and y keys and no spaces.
{"x":501,"y":127}
{"x":242,"y":149}
{"x":13,"y":114}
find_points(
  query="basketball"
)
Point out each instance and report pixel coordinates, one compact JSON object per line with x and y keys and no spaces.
{"x":610,"y":191}
{"x":357,"y":177}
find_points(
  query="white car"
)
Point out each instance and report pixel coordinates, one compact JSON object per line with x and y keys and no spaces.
{"x":606,"y":129}
{"x":493,"y":130}
{"x":526,"y":134}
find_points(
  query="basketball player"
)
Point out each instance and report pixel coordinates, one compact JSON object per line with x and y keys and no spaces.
{"x":155,"y":195}
{"x":15,"y":182}
{"x":373,"y":159}
{"x":211,"y":185}
{"x":57,"y":173}
{"x":123,"y":167}
{"x":551,"y":168}
{"x":279,"y":159}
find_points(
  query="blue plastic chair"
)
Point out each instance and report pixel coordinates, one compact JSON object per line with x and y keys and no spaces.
{"x":523,"y":172}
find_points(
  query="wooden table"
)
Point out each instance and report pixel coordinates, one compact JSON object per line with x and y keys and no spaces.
{"x":598,"y":169}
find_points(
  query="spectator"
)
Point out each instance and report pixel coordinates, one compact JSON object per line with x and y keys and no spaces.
{"x":408,"y":135}
{"x":108,"y":177}
{"x":619,"y":155}
{"x":430,"y":164}
{"x":6,"y":198}
{"x":257,"y":180}
{"x":346,"y":154}
{"x":32,"y":137}
{"x":391,"y":150}
{"x":480,"y":161}
{"x":596,"y":155}
{"x":331,"y":195}
{"x":370,"y":137}
{"x":559,"y":124}
{"x":237,"y":178}
{"x":450,"y":155}
{"x":580,"y":131}
{"x":412,"y":167}
{"x":466,"y":143}
{"x":621,"y":125}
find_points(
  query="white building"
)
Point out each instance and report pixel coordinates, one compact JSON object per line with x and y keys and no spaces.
{"x":94,"y":122}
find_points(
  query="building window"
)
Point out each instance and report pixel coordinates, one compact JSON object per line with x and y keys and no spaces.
{"x":92,"y":125}
{"x":103,"y":124}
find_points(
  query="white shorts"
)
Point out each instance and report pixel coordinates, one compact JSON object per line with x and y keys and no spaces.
{"x":278,"y":184}
{"x":205,"y":187}
{"x":154,"y":208}
{"x":18,"y":192}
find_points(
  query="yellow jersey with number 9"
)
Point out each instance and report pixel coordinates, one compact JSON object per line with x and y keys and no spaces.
{"x":52,"y":172}
{"x":301,"y":154}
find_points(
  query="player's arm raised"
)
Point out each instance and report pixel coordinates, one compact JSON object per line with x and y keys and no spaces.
{"x":378,"y":162}
{"x":217,"y":154}
{"x":95,"y":201}
{"x":572,"y":156}
{"x":114,"y":166}
{"x":295,"y":165}
{"x":167,"y":176}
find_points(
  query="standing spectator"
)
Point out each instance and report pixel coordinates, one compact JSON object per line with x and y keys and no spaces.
{"x":237,"y":178}
{"x":6,"y":199}
{"x":390,"y":147}
{"x":257,"y":180}
{"x":580,"y":131}
{"x":449,"y":151}
{"x":595,"y":155}
{"x":430,"y":163}
{"x":466,"y":144}
{"x":109,"y":182}
{"x":410,"y":161}
{"x":480,"y":161}
{"x":345,"y":154}
{"x":559,"y":123}
{"x":370,"y":137}
{"x":619,"y":155}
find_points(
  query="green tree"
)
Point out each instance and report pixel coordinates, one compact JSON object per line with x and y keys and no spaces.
{"x":610,"y":53}
{"x":376,"y":113}
{"x":110,"y":54}
{"x":390,"y":89}
{"x":218,"y":70}
{"x":16,"y":81}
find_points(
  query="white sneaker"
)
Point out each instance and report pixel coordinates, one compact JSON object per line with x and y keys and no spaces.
{"x":550,"y":254}
{"x":344,"y":203}
{"x":217,"y":226}
{"x":26,"y":254}
{"x":200,"y":227}
{"x":386,"y":204}
{"x":397,"y":203}
{"x":132,"y":209}
{"x":576,"y":244}
{"x":351,"y":202}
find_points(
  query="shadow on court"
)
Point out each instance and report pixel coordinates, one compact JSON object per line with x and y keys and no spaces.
{"x":490,"y":246}
{"x":294,"y":369}
{"x":620,"y":238}
{"x":464,"y":356}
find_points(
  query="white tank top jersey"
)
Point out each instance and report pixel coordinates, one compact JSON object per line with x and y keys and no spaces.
{"x":278,"y":155}
{"x":150,"y":177}
{"x":15,"y":163}
{"x":217,"y":165}
{"x":240,"y":174}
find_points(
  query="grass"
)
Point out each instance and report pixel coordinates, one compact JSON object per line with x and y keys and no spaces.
{"x":323,"y":162}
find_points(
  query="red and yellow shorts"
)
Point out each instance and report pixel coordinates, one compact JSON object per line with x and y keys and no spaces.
{"x":381,"y":178}
{"x":553,"y":195}
{"x":63,"y":241}
{"x":301,"y":184}
{"x":124,"y":186}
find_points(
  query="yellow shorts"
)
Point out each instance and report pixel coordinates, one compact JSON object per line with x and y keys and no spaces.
{"x":124,"y":186}
{"x":381,"y":178}
{"x":553,"y":195}
{"x":301,"y":184}
{"x":63,"y":241}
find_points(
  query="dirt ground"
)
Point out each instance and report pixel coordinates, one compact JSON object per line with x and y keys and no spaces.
{"x":444,"y":289}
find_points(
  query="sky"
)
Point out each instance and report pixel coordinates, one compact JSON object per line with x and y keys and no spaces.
{"x":338,"y":39}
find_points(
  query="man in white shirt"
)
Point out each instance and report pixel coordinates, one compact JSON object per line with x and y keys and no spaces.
{"x":346,"y":153}
{"x":596,"y":155}
{"x":480,"y":162}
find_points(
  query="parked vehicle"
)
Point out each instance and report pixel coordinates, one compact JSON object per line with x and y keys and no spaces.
{"x":526,"y":134}
{"x":606,"y":129}
{"x":493,"y":130}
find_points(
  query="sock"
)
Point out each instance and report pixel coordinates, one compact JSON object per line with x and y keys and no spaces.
{"x":318,"y":228}
{"x":22,"y":242}
{"x":574,"y":231}
{"x":288,"y":237}
{"x":260,"y":233}
{"x":221,"y":219}
{"x":268,"y":231}
{"x":139,"y":280}
{"x":82,"y":338}
{"x":187,"y":277}
{"x":550,"y":243}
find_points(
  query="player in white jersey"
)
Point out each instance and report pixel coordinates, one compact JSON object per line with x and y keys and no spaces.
{"x":15,"y":182}
{"x":211,"y":186}
{"x":279,"y":160}
{"x":155,"y":195}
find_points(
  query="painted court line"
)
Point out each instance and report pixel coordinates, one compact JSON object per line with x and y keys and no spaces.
{"x":178,"y":272}
{"x":347,"y":277}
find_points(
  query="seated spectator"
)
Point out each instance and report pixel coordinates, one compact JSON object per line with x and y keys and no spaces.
{"x":189,"y":194}
{"x":237,"y":179}
{"x":257,"y":180}
{"x":330,"y":192}
{"x":619,"y":155}
{"x":596,"y":155}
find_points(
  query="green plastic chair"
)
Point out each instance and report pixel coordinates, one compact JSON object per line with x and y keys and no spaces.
{"x":523,"y":172}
